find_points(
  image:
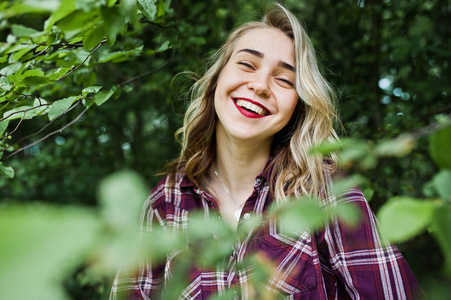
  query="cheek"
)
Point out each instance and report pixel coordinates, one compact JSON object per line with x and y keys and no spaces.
{"x":290,"y":104}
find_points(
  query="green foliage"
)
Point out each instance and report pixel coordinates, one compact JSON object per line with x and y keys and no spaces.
{"x":6,"y":171}
{"x":440,"y":147}
{"x":36,"y":63}
{"x":403,"y":217}
{"x":40,"y":245}
{"x":389,"y":60}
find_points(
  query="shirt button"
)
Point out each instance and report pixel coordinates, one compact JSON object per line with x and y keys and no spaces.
{"x":247,"y":216}
{"x":258,"y":181}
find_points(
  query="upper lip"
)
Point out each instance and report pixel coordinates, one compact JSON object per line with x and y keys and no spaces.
{"x":253,"y":102}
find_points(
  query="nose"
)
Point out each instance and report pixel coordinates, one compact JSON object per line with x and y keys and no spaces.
{"x":260,"y":84}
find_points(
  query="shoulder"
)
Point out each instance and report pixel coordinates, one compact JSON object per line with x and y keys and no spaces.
{"x":339,"y":187}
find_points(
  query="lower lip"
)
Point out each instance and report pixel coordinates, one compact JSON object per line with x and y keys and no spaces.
{"x":247,"y":113}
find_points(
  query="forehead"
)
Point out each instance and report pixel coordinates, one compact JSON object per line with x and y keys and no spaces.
{"x":272,"y":42}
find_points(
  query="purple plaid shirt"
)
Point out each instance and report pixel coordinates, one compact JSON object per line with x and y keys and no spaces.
{"x":336,"y":262}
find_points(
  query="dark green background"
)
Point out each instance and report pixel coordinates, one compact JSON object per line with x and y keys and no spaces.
{"x":361,"y":45}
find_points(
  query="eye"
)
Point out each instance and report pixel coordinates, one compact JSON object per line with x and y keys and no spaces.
{"x":285,"y":82}
{"x":247,"y":64}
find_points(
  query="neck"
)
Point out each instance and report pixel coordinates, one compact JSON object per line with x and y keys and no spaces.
{"x":239,"y":162}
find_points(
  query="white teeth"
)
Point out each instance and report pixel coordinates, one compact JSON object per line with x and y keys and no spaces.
{"x":252,"y":107}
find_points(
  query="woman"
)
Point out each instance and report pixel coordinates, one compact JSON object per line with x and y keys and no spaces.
{"x":246,"y":135}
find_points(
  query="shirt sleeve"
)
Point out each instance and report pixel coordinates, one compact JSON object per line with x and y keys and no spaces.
{"x":363,"y":266}
{"x":147,"y":281}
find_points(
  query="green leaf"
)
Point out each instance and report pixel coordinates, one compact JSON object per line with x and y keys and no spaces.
{"x":111,"y":2}
{"x":121,"y":196}
{"x":31,"y":6}
{"x":91,"y":90}
{"x":11,"y":69}
{"x":402,"y":218}
{"x":93,"y":37}
{"x":196,"y":40}
{"x":20,"y":30}
{"x":160,"y":8}
{"x":89,"y":94}
{"x":120,"y":56}
{"x":346,"y":212}
{"x":41,"y":245}
{"x":343,"y":184}
{"x":58,"y":74}
{"x":16,"y":56}
{"x":65,"y":8}
{"x":440,"y":147}
{"x":4,"y":84}
{"x":329,"y":147}
{"x":6,"y":171}
{"x":359,"y":153}
{"x":148,"y":8}
{"x":3,"y":126}
{"x":442,"y":183}
{"x":60,"y":106}
{"x":34,"y":80}
{"x":441,"y":229}
{"x":398,"y":147}
{"x":163,"y":47}
{"x":33,"y":73}
{"x":77,"y":21}
{"x":26,"y":111}
{"x":103,"y":96}
{"x":33,"y":77}
{"x":114,"y":22}
{"x":296,"y":216}
{"x":368,"y":192}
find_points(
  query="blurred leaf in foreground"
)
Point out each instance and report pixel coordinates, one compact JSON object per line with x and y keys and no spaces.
{"x":122,"y":196}
{"x":442,"y":183}
{"x":441,"y":228}
{"x":40,"y":246}
{"x":402,"y":218}
{"x":440,"y":147}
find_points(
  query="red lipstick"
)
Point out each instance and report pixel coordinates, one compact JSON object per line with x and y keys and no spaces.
{"x":248,"y":112}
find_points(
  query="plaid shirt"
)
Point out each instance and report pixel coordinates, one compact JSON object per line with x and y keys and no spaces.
{"x":336,"y":262}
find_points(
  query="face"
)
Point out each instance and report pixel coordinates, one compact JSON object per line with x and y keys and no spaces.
{"x":255,"y":95}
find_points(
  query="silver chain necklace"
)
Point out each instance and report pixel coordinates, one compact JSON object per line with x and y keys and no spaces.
{"x":237,"y":213}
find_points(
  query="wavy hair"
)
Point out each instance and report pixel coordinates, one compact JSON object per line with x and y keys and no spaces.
{"x":295,"y":172}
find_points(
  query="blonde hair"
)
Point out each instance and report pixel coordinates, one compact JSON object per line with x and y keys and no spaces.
{"x":295,"y":172}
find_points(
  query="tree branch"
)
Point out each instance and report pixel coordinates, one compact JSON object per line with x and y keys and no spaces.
{"x":429,"y":129}
{"x":42,"y":129}
{"x":151,"y":71}
{"x":38,"y":54}
{"x":24,"y":111}
{"x":14,"y":130}
{"x":89,"y":55}
{"x":49,"y":135}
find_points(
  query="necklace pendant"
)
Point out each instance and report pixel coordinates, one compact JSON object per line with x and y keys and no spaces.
{"x":238,"y":214}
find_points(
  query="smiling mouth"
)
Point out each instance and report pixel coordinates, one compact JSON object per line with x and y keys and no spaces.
{"x":251,"y":107}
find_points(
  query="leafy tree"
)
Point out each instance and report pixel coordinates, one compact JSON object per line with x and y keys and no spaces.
{"x":88,"y":88}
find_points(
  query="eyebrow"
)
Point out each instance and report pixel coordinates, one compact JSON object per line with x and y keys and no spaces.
{"x":282,"y":64}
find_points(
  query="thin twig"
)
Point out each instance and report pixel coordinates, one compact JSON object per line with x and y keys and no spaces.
{"x":15,"y":129}
{"x":24,"y":111}
{"x":43,"y":128}
{"x":157,"y":25}
{"x":429,"y":129}
{"x":38,"y":54}
{"x":89,"y":55}
{"x":151,"y":71}
{"x":50,"y":134}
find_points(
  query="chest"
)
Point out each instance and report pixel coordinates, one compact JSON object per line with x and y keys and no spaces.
{"x":256,"y":258}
